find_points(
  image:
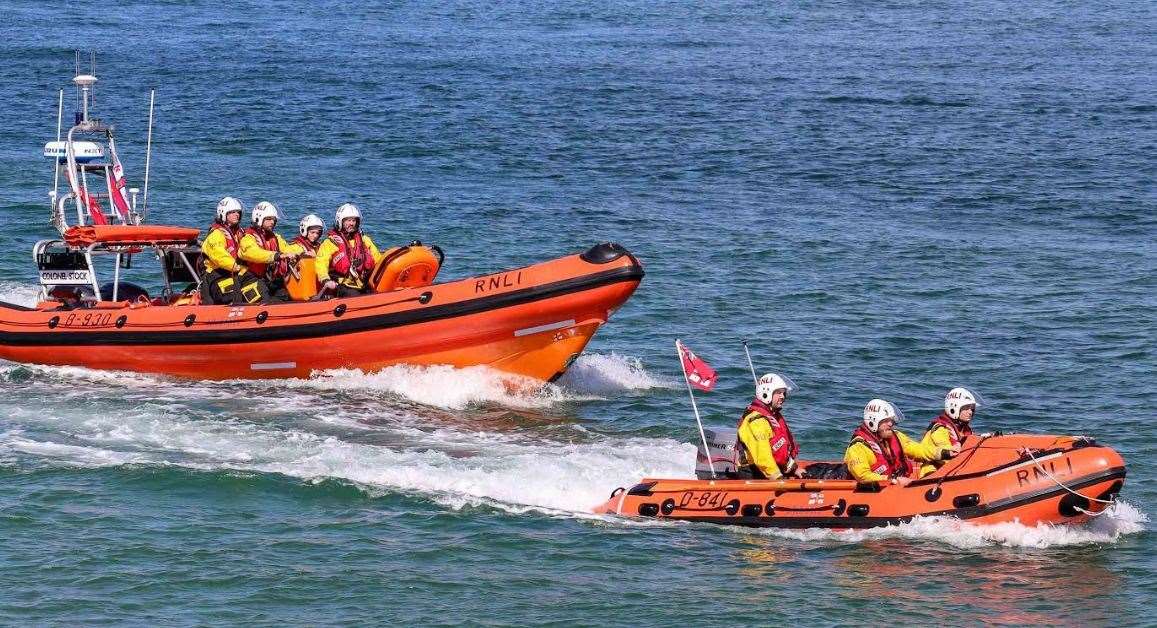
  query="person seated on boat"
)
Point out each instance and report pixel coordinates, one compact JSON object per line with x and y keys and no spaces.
{"x":880,"y":453}
{"x":267,"y":254}
{"x":225,"y":280}
{"x":954,"y":425}
{"x":346,"y":257}
{"x":310,"y":229}
{"x":767,"y":450}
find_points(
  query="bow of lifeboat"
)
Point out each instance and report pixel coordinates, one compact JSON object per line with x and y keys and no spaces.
{"x":1029,"y":479}
{"x":532,"y":321}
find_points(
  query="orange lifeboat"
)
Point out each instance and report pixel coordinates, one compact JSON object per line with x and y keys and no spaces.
{"x":1028,"y":479}
{"x":532,"y":321}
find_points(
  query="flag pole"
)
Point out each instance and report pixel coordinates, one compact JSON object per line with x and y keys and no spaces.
{"x":698,"y":421}
{"x":750,"y":365}
{"x":148,"y":155}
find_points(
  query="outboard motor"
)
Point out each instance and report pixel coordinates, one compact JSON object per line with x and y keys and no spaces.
{"x":721,"y":447}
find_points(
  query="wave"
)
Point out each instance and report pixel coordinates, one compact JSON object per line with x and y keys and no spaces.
{"x":465,"y":467}
{"x":601,"y":374}
{"x":591,"y":377}
{"x":23,"y":294}
{"x":1121,"y":519}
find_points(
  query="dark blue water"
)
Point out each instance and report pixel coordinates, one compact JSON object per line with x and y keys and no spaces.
{"x":886,"y":199}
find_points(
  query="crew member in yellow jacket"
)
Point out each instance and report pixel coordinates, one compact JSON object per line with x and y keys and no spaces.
{"x":767,"y":449}
{"x":224,"y":279}
{"x":347,"y":257}
{"x":953,"y":426}
{"x":267,"y":254}
{"x":878,"y":452}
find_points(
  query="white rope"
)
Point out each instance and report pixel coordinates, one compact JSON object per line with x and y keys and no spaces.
{"x":1048,"y":475}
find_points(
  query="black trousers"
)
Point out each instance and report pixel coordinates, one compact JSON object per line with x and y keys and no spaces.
{"x":221,"y":287}
{"x":343,"y":291}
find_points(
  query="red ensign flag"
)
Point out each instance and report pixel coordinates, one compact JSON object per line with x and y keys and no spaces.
{"x":698,"y":373}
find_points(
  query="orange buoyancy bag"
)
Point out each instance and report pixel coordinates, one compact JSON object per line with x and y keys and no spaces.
{"x":303,"y":285}
{"x":411,"y":266}
{"x":890,"y":459}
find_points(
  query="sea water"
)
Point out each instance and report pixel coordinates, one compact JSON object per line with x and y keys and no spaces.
{"x":885,"y":199}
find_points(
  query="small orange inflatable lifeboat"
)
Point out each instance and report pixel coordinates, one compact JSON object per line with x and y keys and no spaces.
{"x":1022,"y":478}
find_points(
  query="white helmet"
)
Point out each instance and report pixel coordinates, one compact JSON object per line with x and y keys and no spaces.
{"x":347,"y":210}
{"x":310,"y":220}
{"x":958,"y":399}
{"x":226,"y":206}
{"x":877,"y":411}
{"x":264,"y":210}
{"x":768,"y":384}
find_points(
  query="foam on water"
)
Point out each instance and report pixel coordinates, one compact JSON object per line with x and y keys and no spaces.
{"x":442,"y":386}
{"x":591,"y":377}
{"x":19,"y":293}
{"x":71,"y":455}
{"x":571,"y":477}
{"x":1121,"y":519}
{"x":596,"y":376}
{"x":602,"y":374}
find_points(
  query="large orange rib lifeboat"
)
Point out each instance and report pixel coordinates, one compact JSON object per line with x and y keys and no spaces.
{"x":532,"y":321}
{"x":1010,"y":478}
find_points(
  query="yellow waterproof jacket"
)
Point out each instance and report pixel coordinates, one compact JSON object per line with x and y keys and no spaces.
{"x":860,"y":458}
{"x":250,"y":249}
{"x":938,"y":438}
{"x":755,"y":434}
{"x":215,"y":252}
{"x":325,"y":254}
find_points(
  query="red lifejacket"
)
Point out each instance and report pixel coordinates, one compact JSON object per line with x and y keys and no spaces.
{"x":890,"y":459}
{"x":783,"y":446}
{"x":232,"y":237}
{"x":269,"y":243}
{"x":356,"y":260}
{"x":306,"y":244}
{"x":957,"y":430}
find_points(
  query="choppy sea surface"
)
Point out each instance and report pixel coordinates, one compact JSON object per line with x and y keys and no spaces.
{"x":886,"y":199}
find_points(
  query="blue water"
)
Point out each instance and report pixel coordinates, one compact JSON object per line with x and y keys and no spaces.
{"x":886,"y":199}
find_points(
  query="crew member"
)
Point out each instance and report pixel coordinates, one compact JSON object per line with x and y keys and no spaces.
{"x":267,"y":255}
{"x":954,"y":425}
{"x":766,"y":447}
{"x":878,"y":452}
{"x":347,"y":257}
{"x":225,"y":280}
{"x":310,"y":230}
